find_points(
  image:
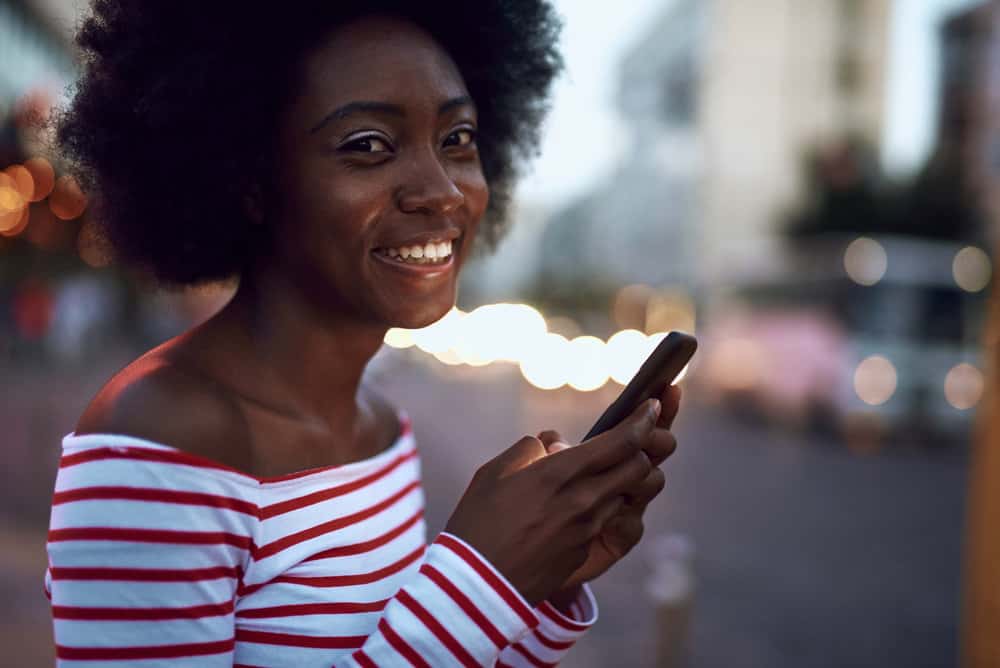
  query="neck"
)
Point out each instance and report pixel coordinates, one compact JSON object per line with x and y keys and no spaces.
{"x":312,"y":358}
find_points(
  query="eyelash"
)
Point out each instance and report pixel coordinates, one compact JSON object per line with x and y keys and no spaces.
{"x":346,"y":146}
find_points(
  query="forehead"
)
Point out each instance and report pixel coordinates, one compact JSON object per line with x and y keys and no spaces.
{"x":379,"y":58}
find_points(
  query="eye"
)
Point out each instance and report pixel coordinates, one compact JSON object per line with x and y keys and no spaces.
{"x":369,"y":143}
{"x":461,"y":137}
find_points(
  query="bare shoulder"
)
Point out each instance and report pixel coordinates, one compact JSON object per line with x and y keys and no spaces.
{"x":161,"y":400}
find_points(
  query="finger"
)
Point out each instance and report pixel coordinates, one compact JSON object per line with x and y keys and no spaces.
{"x":605,"y":512}
{"x":550,"y":436}
{"x":619,"y":480}
{"x":518,"y":456}
{"x":628,"y":528}
{"x":613,"y":446}
{"x":647,"y":490}
{"x":671,"y":400}
{"x":553,"y":441}
{"x":662,"y":443}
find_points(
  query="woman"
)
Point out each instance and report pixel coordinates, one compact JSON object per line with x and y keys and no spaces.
{"x":237,"y":496}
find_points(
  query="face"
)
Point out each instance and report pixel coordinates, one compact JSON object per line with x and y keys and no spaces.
{"x":380,"y":188}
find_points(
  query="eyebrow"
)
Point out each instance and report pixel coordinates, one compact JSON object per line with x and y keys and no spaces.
{"x":384,"y":108}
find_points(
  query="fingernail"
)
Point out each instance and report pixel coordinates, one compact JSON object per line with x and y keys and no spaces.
{"x":655,"y":408}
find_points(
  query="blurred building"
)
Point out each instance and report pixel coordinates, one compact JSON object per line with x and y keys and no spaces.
{"x":968,"y":144}
{"x":724,"y":97}
{"x":638,"y":225}
{"x":778,"y":76}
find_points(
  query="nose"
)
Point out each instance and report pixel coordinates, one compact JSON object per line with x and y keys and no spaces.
{"x":429,"y":189}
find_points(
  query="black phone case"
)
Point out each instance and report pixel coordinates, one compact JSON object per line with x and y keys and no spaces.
{"x":659,"y":369}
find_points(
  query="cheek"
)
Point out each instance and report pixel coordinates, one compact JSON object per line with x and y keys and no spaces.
{"x":477,"y":197}
{"x":335,"y":212}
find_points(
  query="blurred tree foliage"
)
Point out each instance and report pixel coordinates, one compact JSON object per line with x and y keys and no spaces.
{"x":847,"y":193}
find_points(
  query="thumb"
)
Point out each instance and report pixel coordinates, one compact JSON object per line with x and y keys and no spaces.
{"x":518,"y":456}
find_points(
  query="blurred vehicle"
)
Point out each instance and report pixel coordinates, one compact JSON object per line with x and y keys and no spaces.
{"x":870,"y":333}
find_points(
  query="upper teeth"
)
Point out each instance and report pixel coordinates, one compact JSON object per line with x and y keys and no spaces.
{"x":439,"y":250}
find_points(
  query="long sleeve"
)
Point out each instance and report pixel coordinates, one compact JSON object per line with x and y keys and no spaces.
{"x":143,"y":566}
{"x":556,"y":633}
{"x":147,"y":561}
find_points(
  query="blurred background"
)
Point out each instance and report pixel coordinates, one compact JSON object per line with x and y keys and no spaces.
{"x":809,"y":186}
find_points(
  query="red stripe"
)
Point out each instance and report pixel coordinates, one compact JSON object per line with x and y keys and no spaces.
{"x":137,"y":653}
{"x":552,"y":644}
{"x":155,"y":495}
{"x":326,"y":527}
{"x":151,"y":536}
{"x":505,"y":591}
{"x":532,"y":659}
{"x":501,"y":664}
{"x":145,"y":574}
{"x":323,"y":495}
{"x":368,"y":545}
{"x":401,"y":645}
{"x":141,"y":614}
{"x":549,"y":611}
{"x":467,"y":605}
{"x":147,"y":455}
{"x":341,"y":608}
{"x":345,"y":580}
{"x":435,"y":627}
{"x":290,"y":640}
{"x":364,"y":659}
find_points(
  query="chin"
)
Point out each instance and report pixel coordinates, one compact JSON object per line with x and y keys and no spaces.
{"x":425,"y":314}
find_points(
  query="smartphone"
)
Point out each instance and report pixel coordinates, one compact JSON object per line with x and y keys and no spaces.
{"x":659,"y":370}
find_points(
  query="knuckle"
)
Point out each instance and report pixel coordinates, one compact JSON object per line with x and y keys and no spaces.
{"x":659,"y":480}
{"x":641,"y":465}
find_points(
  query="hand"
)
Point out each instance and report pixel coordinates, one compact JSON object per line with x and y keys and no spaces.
{"x":624,"y":529}
{"x":534,"y":515}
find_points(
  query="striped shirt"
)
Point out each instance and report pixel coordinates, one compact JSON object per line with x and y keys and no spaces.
{"x":165,"y":558}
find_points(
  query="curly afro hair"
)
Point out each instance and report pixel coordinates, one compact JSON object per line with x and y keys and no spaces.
{"x":164,"y":127}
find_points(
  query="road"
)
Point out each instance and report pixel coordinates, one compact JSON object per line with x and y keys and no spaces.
{"x":808,"y":555}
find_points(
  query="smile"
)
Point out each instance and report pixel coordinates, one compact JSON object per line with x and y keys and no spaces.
{"x":431,"y":253}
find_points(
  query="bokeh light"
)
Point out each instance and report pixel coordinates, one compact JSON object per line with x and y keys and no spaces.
{"x":67,"y":201}
{"x":23,"y":181}
{"x":441,"y":335}
{"x":20,"y":225}
{"x":589,"y":370}
{"x":972,"y":269}
{"x":564,"y":325}
{"x":43,"y":176}
{"x":12,"y":203}
{"x":626,"y":351}
{"x":399,"y":338}
{"x":547,"y":365}
{"x":875,"y":380}
{"x":670,"y":310}
{"x":91,"y":247}
{"x":736,"y":364}
{"x":629,"y":308}
{"x":963,"y":386}
{"x":865,"y":261}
